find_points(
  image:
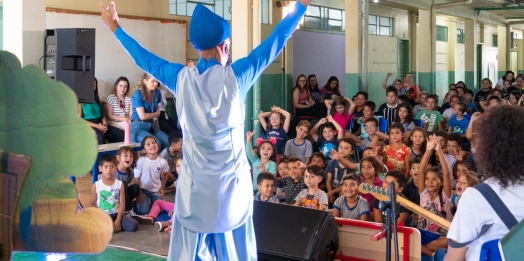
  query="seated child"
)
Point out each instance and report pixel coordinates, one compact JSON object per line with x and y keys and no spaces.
{"x":151,"y":173}
{"x":265,"y":184}
{"x":171,"y":153}
{"x":149,"y":219}
{"x":371,"y":126}
{"x":389,"y":109}
{"x":282,"y":173}
{"x":299,"y":146}
{"x":350,"y":205}
{"x":294,"y":183}
{"x":264,"y":161}
{"x":458,"y":123}
{"x":397,"y":155}
{"x":399,"y":180}
{"x":336,"y":170}
{"x":369,"y":166}
{"x":410,"y":191}
{"x":328,"y":140}
{"x":277,"y":128}
{"x":124,"y":173}
{"x":108,"y":195}
{"x":453,"y":147}
{"x":431,"y":118}
{"x":319,"y":160}
{"x":312,"y":197}
{"x":464,"y":181}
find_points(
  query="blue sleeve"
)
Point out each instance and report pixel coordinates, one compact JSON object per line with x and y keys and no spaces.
{"x":137,"y":101}
{"x":249,"y":68}
{"x":251,"y":156}
{"x":164,"y":71}
{"x":271,"y":167}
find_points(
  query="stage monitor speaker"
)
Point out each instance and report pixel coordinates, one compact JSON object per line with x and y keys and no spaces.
{"x":70,"y":58}
{"x":291,"y":233}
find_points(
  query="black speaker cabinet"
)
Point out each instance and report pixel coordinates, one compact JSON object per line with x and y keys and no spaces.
{"x":70,"y":58}
{"x":291,"y":233}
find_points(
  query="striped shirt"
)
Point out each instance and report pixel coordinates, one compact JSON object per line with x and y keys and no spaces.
{"x":388,"y":112}
{"x":115,"y":103}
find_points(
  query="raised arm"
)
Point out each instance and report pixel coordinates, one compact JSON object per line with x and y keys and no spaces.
{"x":314,"y":130}
{"x":164,"y":71}
{"x":430,"y":146}
{"x":469,"y":130}
{"x":385,"y":82}
{"x":286,"y":114}
{"x":352,"y":106}
{"x":249,"y":68}
{"x":262,"y":118}
{"x":445,"y":170}
{"x":339,"y":128}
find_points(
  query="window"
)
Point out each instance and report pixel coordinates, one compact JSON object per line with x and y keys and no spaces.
{"x":442,"y":33}
{"x":324,"y":18}
{"x":460,"y":36}
{"x":495,"y":40}
{"x":186,"y":7}
{"x":264,"y":11}
{"x":379,"y":25}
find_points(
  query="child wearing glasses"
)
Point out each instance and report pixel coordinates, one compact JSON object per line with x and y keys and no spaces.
{"x":277,"y":128}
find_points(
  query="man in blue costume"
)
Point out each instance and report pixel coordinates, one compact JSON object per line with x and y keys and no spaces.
{"x":214,"y":203}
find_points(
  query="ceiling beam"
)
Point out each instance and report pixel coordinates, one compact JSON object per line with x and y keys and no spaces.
{"x":499,"y":8}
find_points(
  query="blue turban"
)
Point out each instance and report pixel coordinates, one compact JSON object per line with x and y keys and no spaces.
{"x":207,"y":29}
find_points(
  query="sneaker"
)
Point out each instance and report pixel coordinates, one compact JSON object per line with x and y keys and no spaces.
{"x":144,"y":219}
{"x":161,"y":225}
{"x":130,"y":213}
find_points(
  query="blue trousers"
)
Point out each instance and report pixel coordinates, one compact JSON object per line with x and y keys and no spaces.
{"x":141,"y":129}
{"x":149,"y":197}
{"x":237,"y":244}
{"x":128,"y":224}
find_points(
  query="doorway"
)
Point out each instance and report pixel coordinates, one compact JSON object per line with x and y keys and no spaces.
{"x":514,"y":61}
{"x":403,"y":58}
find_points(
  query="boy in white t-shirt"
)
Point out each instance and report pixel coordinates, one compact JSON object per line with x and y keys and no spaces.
{"x":108,"y":195}
{"x":312,"y":197}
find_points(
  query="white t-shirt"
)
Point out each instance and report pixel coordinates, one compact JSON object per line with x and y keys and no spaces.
{"x":474,"y":212}
{"x":108,"y":197}
{"x":150,"y":172}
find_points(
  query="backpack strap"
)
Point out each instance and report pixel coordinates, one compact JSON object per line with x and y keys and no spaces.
{"x":496,"y":203}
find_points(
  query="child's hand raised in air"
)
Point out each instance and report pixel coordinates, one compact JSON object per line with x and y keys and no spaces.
{"x":432,"y":143}
{"x":300,"y":165}
{"x":249,"y":136}
{"x":334,"y":155}
{"x":262,"y":167}
{"x":329,"y":118}
{"x":476,"y":115}
{"x":323,"y":120}
{"x":275,"y":108}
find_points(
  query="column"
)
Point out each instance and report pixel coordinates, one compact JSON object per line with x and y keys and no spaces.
{"x":23,"y":29}
{"x":426,"y":50}
{"x":356,"y":45}
{"x":502,"y":49}
{"x":470,"y":49}
{"x":245,"y":17}
{"x":452,"y":40}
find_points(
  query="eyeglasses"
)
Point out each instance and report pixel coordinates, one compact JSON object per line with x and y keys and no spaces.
{"x":301,"y":80}
{"x":370,"y":126}
{"x":274,"y":118}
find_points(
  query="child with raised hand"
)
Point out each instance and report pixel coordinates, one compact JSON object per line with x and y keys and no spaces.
{"x":108,"y":195}
{"x":299,"y":146}
{"x":265,"y":185}
{"x":336,"y":170}
{"x":151,"y":174}
{"x":417,"y":141}
{"x":277,"y":128}
{"x":350,"y":205}
{"x":458,"y":123}
{"x":399,"y":180}
{"x":371,"y":126}
{"x":397,"y":155}
{"x":264,"y":160}
{"x":328,"y":139}
{"x":294,"y":183}
{"x":405,"y":117}
{"x":312,"y":197}
{"x":435,"y":192}
{"x":341,"y":109}
{"x":369,"y":166}
{"x":124,"y":173}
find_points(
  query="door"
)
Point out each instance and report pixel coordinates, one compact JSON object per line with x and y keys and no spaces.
{"x":403,"y":58}
{"x":514,"y":61}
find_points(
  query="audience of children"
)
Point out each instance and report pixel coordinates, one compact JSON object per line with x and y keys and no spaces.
{"x":350,"y":205}
{"x":312,"y":197}
{"x":299,"y":146}
{"x":277,"y":128}
{"x":330,"y":133}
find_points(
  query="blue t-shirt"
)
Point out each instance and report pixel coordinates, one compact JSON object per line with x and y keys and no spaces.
{"x":457,"y":126}
{"x":337,"y":173}
{"x":149,"y":107}
{"x":278,"y":134}
{"x":471,"y":108}
{"x":326,"y":146}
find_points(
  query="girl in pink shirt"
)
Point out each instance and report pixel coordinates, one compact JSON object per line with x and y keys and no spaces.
{"x":341,"y":110}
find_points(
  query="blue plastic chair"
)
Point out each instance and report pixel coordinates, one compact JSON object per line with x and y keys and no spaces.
{"x":419,"y":123}
{"x":383,"y":125}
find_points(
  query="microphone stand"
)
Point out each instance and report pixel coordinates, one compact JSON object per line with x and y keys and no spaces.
{"x":394,"y":211}
{"x":391,"y":209}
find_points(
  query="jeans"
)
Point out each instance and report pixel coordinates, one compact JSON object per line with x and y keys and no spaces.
{"x":143,"y":208}
{"x":141,"y":129}
{"x":128,"y":224}
{"x":131,"y":192}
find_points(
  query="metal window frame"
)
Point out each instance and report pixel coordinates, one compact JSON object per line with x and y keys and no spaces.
{"x":325,"y":18}
{"x":441,"y":27}
{"x":378,"y":25}
{"x":175,"y":3}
